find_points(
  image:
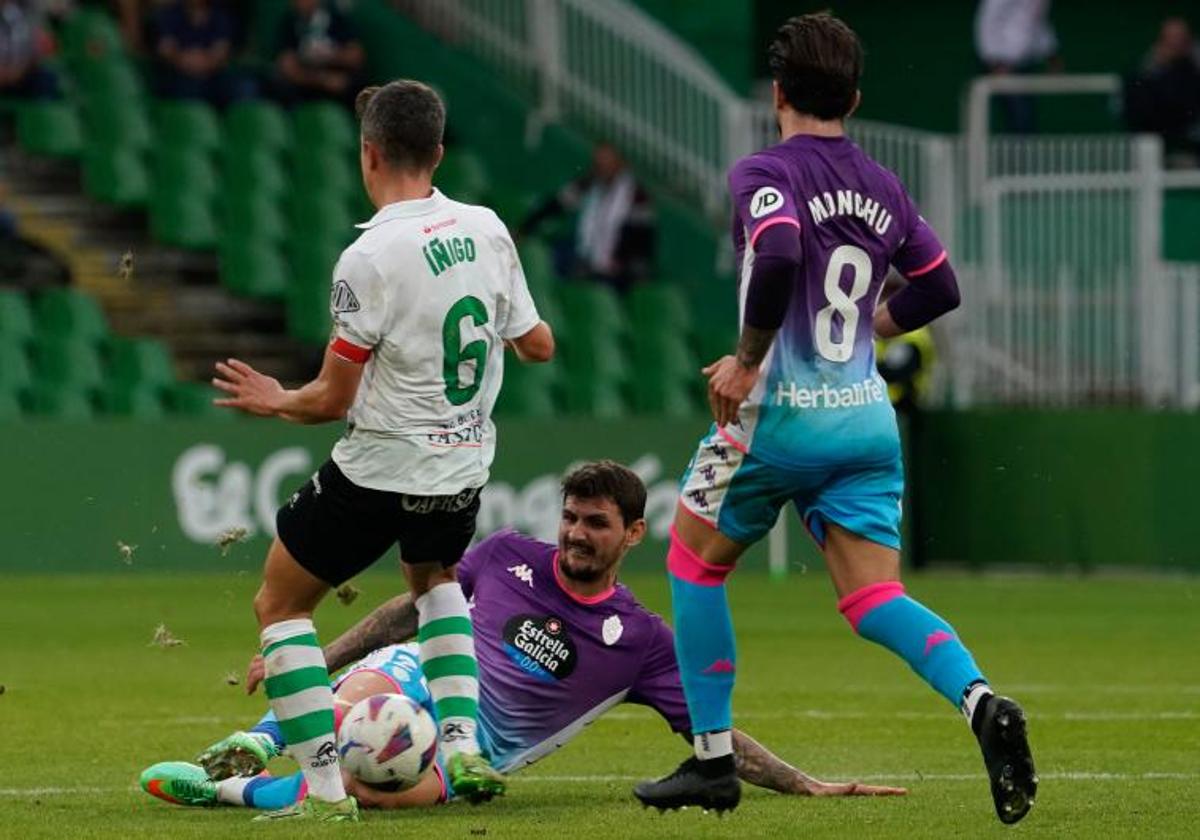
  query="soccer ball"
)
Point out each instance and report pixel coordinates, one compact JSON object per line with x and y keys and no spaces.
{"x":387,"y":741}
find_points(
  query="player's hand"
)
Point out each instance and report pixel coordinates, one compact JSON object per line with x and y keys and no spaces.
{"x":729,"y":383}
{"x":255,"y":672}
{"x":815,"y":787}
{"x":249,"y":390}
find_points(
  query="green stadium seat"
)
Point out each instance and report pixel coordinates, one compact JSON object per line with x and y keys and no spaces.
{"x":140,"y":361}
{"x":256,"y":124}
{"x":16,"y":320}
{"x":183,"y":220}
{"x":714,"y":341}
{"x":324,"y":125}
{"x":68,"y":313}
{"x":108,"y":80}
{"x":591,"y":307}
{"x":91,"y":35}
{"x":308,"y":317}
{"x":185,"y":171}
{"x":664,"y":396}
{"x":462,"y":176}
{"x":15,"y":371}
{"x":658,"y":306}
{"x":50,"y":128}
{"x":314,"y":214}
{"x":665,"y":353}
{"x":537,"y":262}
{"x":137,"y":401}
{"x":116,"y":176}
{"x":10,"y":406}
{"x":596,"y":356}
{"x":253,"y":267}
{"x":68,"y":361}
{"x":511,"y":206}
{"x":322,"y":171}
{"x":194,"y":399}
{"x":252,"y":216}
{"x":594,"y":398}
{"x":60,"y":402}
{"x":116,"y":122}
{"x":520,"y":398}
{"x":256,"y":171}
{"x":311,"y":261}
{"x":187,"y":125}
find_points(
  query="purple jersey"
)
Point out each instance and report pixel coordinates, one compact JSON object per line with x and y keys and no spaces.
{"x":820,"y":401}
{"x":551,"y":662}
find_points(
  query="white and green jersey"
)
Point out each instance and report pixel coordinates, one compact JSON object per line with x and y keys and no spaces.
{"x":425,"y":298}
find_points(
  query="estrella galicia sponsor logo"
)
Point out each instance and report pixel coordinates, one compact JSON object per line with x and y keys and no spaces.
{"x":540,"y":646}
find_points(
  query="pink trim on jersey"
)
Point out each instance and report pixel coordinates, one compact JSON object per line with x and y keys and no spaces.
{"x":925,"y":269}
{"x":857,"y":604}
{"x":736,"y":444}
{"x":684,"y":563}
{"x":777,"y":220}
{"x":349,"y":351}
{"x":579,"y":599}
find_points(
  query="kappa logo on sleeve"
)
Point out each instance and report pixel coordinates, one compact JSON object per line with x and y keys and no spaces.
{"x":342,"y":298}
{"x":765,"y":201}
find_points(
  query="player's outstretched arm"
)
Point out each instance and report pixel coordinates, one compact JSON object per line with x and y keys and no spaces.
{"x":326,"y":398}
{"x":759,"y":766}
{"x":388,"y":624}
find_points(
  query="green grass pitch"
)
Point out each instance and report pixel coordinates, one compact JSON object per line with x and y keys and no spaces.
{"x":1108,"y":669}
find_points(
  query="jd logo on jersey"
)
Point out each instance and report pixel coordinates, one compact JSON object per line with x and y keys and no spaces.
{"x":343,"y":298}
{"x":540,"y":646}
{"x":766,"y":200}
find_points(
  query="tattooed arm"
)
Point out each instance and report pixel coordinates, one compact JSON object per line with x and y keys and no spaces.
{"x":389,"y":624}
{"x":731,"y":378}
{"x":758,"y":766}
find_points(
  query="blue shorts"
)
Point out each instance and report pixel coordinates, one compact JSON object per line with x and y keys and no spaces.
{"x":741,"y":495}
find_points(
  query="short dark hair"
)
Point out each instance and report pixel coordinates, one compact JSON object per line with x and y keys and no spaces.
{"x":608,"y":480}
{"x":405,"y":119}
{"x":817,"y":60}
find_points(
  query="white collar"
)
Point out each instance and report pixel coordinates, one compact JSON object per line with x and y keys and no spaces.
{"x":405,"y":209}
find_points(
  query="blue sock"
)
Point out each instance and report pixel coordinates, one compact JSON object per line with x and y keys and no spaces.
{"x":885,"y":615}
{"x":270,"y":726}
{"x":272,"y":793}
{"x":704,"y":645}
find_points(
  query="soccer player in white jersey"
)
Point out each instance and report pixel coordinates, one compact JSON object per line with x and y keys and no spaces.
{"x":423,"y":302}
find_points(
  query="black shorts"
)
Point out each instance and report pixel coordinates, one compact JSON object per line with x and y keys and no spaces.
{"x":335,"y":529}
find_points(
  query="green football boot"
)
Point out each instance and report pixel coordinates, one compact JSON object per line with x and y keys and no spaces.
{"x":473,"y":778}
{"x":179,"y":783}
{"x":241,"y":754}
{"x":316,"y":810}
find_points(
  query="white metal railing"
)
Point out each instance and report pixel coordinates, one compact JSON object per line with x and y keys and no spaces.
{"x":608,"y":66}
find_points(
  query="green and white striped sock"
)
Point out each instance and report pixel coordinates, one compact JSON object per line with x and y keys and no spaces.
{"x":448,"y":662}
{"x":297,"y":685}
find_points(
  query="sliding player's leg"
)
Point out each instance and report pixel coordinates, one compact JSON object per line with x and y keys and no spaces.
{"x":856,"y":518}
{"x":728,"y":501}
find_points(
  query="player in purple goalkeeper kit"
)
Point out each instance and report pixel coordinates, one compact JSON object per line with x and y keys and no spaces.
{"x":802,"y":416}
{"x":559,"y":643}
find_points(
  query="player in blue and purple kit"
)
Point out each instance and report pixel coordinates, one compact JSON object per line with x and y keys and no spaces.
{"x":802,"y":416}
{"x":558,"y":640}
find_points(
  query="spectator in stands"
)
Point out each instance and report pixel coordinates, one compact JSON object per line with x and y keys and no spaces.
{"x":1016,"y":36}
{"x":22,"y":73}
{"x":1164,"y":97}
{"x":319,"y":55}
{"x":194,"y":45}
{"x":615,"y":233}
